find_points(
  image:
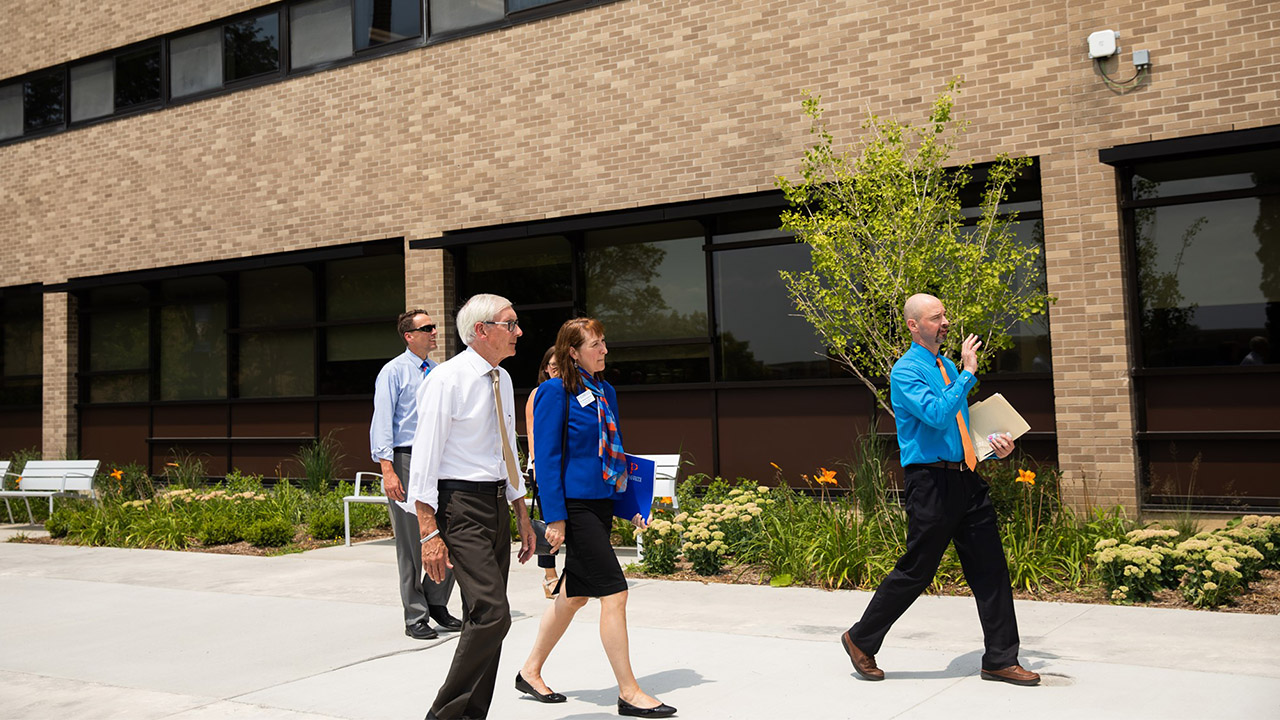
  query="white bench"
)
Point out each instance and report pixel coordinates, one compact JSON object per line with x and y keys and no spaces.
{"x":51,"y":479}
{"x":356,"y":497}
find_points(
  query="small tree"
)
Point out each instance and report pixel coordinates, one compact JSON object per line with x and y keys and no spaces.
{"x":887,"y":223}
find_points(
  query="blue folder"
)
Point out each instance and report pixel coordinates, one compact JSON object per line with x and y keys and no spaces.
{"x":638,"y":497}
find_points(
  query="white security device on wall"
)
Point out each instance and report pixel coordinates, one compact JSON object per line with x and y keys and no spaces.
{"x":1103,"y":44}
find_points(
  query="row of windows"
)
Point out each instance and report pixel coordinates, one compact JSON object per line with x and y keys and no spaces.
{"x":688,"y":301}
{"x":236,"y":52}
{"x":291,"y":331}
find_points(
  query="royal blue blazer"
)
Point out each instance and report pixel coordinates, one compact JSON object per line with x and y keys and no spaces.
{"x":583,"y":477}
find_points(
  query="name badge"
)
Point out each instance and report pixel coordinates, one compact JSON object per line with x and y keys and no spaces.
{"x":585,"y":398}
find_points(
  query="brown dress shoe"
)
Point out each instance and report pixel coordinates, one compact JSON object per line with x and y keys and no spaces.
{"x":1015,"y":674}
{"x":865,"y":664}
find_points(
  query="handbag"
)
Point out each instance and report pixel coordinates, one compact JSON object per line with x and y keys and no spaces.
{"x":541,"y":546}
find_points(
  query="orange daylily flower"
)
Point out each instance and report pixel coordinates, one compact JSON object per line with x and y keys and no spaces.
{"x":775,"y":467}
{"x":171,"y":464}
{"x":117,"y":473}
{"x":1026,"y":476}
{"x":828,"y":477}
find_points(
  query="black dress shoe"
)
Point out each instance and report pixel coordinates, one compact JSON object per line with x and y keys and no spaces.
{"x":420,"y":631}
{"x":552,"y":697}
{"x":441,"y":615}
{"x":626,"y":708}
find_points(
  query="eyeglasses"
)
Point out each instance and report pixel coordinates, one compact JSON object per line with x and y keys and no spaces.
{"x":424,"y":329}
{"x":510,"y":325}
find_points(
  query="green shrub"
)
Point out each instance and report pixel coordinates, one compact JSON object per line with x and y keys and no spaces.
{"x":184,"y":470}
{"x":18,"y":461}
{"x":325,"y":524}
{"x":219,"y":530}
{"x":59,"y":523}
{"x":269,"y":532}
{"x":661,"y":546}
{"x":321,"y":461}
{"x":1131,"y":573}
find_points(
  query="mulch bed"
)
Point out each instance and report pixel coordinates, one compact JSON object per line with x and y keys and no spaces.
{"x":1263,"y":597}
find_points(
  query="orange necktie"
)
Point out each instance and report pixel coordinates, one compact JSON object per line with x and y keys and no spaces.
{"x":970,"y":457}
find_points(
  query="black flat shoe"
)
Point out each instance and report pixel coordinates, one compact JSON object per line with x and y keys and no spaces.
{"x":629,"y":710}
{"x":526,"y":688}
{"x":441,"y":615}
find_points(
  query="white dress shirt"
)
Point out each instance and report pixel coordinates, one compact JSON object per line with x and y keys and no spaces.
{"x":395,"y":408}
{"x":457,"y":437}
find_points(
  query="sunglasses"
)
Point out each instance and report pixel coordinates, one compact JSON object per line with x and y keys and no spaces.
{"x":424,"y":329}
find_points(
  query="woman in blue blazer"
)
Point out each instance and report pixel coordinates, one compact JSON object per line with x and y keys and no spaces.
{"x":578,"y":509}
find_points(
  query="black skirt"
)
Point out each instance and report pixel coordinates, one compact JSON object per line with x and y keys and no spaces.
{"x":590,"y":568}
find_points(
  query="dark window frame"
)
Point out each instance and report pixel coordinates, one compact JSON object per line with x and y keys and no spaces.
{"x":7,"y":295}
{"x":115,"y":54}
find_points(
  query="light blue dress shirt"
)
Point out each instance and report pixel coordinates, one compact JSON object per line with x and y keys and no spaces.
{"x":395,"y":404}
{"x":925,"y":407}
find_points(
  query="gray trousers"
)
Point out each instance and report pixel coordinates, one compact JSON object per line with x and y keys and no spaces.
{"x":417,"y":591}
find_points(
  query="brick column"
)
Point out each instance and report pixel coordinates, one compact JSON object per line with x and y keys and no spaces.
{"x":60,"y":436}
{"x":1091,"y":356}
{"x":429,"y":284}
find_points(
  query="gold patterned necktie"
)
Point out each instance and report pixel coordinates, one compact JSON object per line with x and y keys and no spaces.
{"x":513,"y":473}
{"x":970,"y":457}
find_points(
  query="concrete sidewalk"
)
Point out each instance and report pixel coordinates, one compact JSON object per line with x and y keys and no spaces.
{"x":140,"y":634}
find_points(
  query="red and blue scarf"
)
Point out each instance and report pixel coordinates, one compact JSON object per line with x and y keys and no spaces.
{"x":613,"y":461}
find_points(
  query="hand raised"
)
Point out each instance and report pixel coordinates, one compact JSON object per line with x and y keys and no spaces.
{"x":969,"y":353}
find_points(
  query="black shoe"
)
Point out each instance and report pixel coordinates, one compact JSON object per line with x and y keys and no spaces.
{"x":421,"y":631}
{"x":441,"y":615}
{"x":626,"y":708}
{"x":524,"y":687}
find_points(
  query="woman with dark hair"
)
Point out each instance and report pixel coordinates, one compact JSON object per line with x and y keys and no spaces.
{"x":577,"y":502}
{"x":547,"y":369}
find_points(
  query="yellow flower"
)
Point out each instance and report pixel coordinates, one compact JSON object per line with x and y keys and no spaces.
{"x":117,"y":473}
{"x":828,"y":477}
{"x":775,"y":467}
{"x":171,"y":464}
{"x":1026,"y":476}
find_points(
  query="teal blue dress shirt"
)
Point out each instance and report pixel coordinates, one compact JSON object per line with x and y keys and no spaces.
{"x":925,"y":407}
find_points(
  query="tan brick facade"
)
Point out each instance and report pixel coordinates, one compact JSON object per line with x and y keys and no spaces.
{"x":626,"y":105}
{"x":61,"y":348}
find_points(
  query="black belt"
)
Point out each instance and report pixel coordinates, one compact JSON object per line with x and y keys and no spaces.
{"x":481,"y":487}
{"x":942,"y":464}
{"x":403,"y":449}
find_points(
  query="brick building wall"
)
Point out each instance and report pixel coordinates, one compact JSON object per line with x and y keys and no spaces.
{"x":625,"y":105}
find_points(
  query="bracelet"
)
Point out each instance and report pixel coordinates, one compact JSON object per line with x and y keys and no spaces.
{"x":429,"y":535}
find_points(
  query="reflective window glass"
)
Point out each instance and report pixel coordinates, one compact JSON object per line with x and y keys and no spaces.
{"x":118,"y":339}
{"x":384,"y":21}
{"x":1209,"y":282}
{"x":1030,"y":351}
{"x":450,"y":15}
{"x":10,"y":111}
{"x":659,"y":365}
{"x":252,"y":47}
{"x":362,"y":342}
{"x":93,"y":89}
{"x":760,"y":337}
{"x":365,"y":288}
{"x":193,"y":339}
{"x":319,"y":31}
{"x":277,"y":296}
{"x":195,"y":62}
{"x":43,"y":99}
{"x":1236,"y":171}
{"x":528,"y":271}
{"x":648,"y":282}
{"x":137,"y":77}
{"x":277,"y":364}
{"x":518,"y":5}
{"x":23,"y":335}
{"x":129,"y":387}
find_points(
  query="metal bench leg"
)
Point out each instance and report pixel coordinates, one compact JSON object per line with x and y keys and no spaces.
{"x":31,"y":517}
{"x":10,"y":509}
{"x":346,"y":521}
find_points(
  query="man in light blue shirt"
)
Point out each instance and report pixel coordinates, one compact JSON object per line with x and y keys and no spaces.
{"x":395,"y":420}
{"x":946,"y":501}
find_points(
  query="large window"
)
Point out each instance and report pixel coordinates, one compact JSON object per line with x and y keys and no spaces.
{"x":33,"y":105}
{"x":22,"y":344}
{"x":303,"y":330}
{"x":1206,"y":235}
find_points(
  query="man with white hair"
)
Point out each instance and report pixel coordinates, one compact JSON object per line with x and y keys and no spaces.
{"x":946,"y":500}
{"x":462,"y":476}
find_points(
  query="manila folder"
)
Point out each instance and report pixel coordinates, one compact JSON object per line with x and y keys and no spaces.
{"x":990,"y":416}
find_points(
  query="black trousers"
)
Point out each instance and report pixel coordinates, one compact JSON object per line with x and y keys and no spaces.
{"x":474,"y":521}
{"x":945,"y":506}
